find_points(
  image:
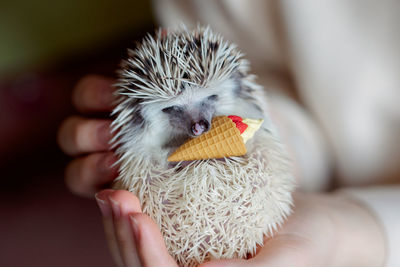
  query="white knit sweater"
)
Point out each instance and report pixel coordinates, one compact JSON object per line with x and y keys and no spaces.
{"x":341,"y":59}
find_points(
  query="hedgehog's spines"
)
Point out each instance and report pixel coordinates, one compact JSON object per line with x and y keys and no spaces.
{"x":154,"y":69}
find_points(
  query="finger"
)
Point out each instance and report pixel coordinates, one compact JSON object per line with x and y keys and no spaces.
{"x":149,"y":242}
{"x":87,"y":175}
{"x":226,"y":263}
{"x":103,"y":202}
{"x":78,"y":135}
{"x":124,"y":203}
{"x":93,"y":93}
{"x":284,"y":250}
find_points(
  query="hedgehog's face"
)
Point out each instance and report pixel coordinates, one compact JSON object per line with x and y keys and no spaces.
{"x":193,"y":116}
{"x":190,"y":113}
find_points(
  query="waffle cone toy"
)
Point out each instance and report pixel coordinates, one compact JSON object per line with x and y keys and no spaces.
{"x":226,"y":138}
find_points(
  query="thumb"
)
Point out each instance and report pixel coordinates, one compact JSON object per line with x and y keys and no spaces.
{"x":284,"y":250}
{"x":149,"y":242}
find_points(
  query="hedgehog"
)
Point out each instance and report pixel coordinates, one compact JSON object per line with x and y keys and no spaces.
{"x":169,"y":89}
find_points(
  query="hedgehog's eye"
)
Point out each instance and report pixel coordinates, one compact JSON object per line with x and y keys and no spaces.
{"x":172,"y":109}
{"x":209,"y":101}
{"x":212,"y":98}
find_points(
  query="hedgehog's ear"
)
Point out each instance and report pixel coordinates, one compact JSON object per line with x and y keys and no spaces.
{"x":240,"y":89}
{"x":243,"y":67}
{"x":135,"y":109}
{"x":162,"y":33}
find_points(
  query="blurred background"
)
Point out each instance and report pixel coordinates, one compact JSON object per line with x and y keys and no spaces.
{"x":341,"y":57}
{"x":45,"y":47}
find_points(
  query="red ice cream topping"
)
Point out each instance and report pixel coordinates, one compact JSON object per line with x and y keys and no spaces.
{"x":239,"y":124}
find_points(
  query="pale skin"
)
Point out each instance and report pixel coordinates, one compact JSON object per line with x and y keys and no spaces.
{"x":328,"y":229}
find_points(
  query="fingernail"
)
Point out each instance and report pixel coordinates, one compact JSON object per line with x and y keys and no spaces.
{"x":116,"y":208}
{"x":107,"y":163}
{"x":135,"y":227}
{"x":106,"y":96}
{"x":104,"y":133}
{"x":110,"y":161}
{"x":103,"y":206}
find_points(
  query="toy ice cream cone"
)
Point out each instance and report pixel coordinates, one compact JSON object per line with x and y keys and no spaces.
{"x":225,"y":139}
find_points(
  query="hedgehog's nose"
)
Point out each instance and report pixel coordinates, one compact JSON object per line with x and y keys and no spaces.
{"x":200,"y":127}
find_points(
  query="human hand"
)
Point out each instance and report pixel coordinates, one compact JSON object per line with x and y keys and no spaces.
{"x":133,"y":238}
{"x":324,"y":230}
{"x":327,"y":230}
{"x":88,"y":139}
